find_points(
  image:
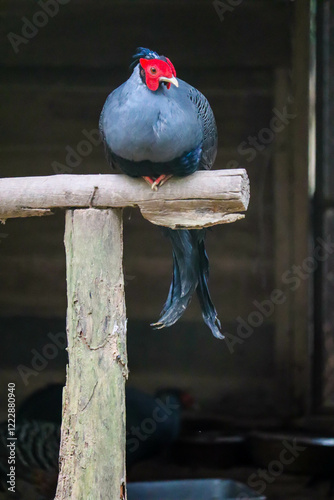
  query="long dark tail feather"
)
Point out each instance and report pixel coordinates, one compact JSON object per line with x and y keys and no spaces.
{"x":184,"y":280}
{"x":190,"y":273}
{"x":209,"y":312}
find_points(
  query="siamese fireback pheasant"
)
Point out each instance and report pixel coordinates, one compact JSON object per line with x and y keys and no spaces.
{"x":35,"y":460}
{"x":163,"y":411}
{"x":156,"y":126}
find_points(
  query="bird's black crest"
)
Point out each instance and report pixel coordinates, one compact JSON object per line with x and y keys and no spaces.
{"x":142,"y":53}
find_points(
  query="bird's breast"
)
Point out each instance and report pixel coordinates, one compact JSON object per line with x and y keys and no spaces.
{"x":144,"y":125}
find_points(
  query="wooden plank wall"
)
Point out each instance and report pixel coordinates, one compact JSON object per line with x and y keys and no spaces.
{"x":54,"y":88}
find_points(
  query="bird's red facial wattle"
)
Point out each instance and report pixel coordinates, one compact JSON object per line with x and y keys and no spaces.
{"x":157,"y":71}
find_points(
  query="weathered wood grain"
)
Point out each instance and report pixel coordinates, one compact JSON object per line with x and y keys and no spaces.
{"x":303,"y":147}
{"x":203,"y":199}
{"x":92,"y":452}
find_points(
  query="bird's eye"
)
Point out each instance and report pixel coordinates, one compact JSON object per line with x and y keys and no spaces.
{"x":153,"y":71}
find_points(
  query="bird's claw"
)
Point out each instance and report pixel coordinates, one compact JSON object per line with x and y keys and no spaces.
{"x":150,"y":182}
{"x":156,"y":183}
{"x":157,"y":325}
{"x":160,"y":181}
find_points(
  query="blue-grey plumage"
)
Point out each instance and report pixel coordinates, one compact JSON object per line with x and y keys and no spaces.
{"x":161,"y":125}
{"x":154,"y":126}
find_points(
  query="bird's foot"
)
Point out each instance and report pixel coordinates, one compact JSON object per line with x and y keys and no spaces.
{"x":157,"y":325}
{"x":150,"y":182}
{"x":160,"y":181}
{"x":156,"y":183}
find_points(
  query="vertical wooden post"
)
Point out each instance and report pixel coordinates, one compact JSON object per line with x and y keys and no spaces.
{"x":303,"y":128}
{"x":92,"y":452}
{"x":284,"y":237}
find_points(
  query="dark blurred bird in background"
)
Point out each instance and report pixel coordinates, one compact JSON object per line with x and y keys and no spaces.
{"x":156,"y":126}
{"x":36,"y":460}
{"x":152,"y":425}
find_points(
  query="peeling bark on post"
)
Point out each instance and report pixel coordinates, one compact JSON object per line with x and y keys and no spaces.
{"x":92,"y":453}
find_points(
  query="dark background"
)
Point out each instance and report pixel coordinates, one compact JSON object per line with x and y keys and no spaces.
{"x":250,"y":62}
{"x":254,"y":61}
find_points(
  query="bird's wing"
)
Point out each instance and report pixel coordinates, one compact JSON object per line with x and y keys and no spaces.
{"x":107,"y":150}
{"x":210,"y":135}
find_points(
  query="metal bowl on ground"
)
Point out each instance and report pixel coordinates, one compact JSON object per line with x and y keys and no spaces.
{"x":293,"y":452}
{"x":192,"y":489}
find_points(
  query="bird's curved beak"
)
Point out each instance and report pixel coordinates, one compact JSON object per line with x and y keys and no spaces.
{"x":172,"y":80}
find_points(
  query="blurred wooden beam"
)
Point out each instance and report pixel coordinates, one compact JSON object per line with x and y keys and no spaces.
{"x":303,"y":157}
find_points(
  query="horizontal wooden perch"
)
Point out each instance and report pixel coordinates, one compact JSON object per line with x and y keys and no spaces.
{"x":203,"y":199}
{"x":93,"y":435}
